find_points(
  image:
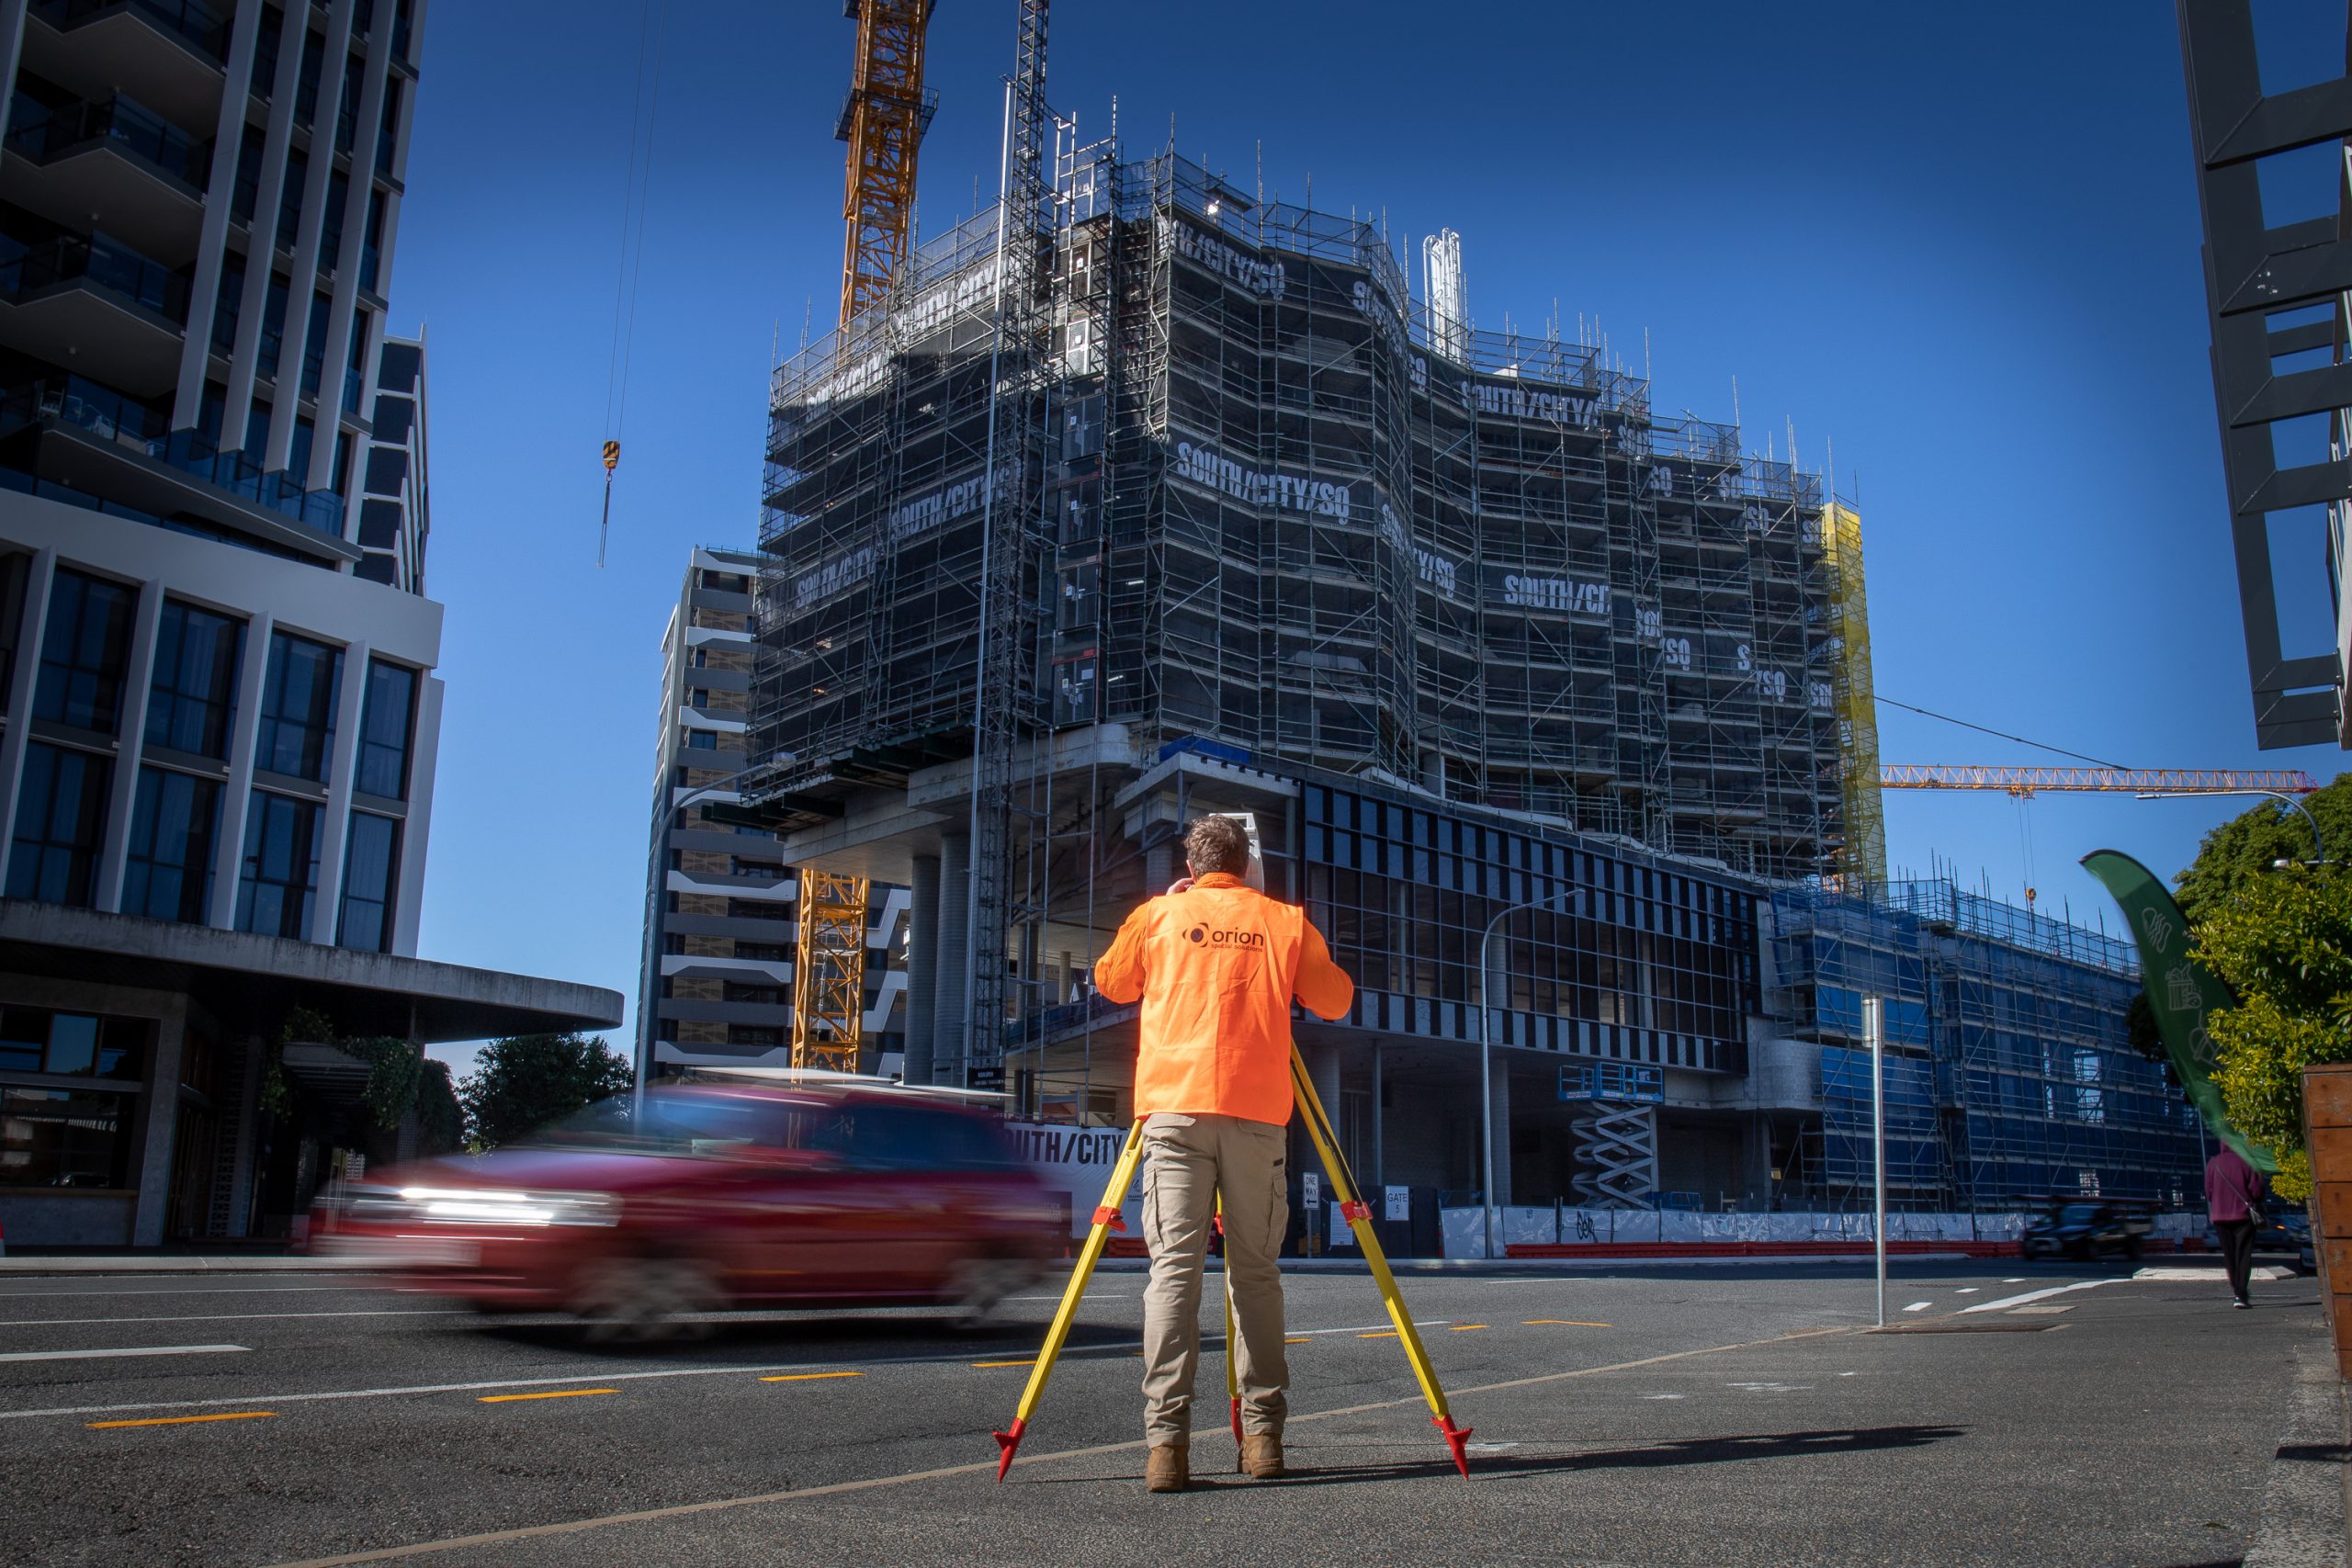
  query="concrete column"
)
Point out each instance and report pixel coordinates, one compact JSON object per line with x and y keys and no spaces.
{"x":246,"y":1133}
{"x":922,"y":967}
{"x":159,"y":1119}
{"x":1376,"y":1173}
{"x":1500,"y":1076}
{"x":952,"y":977}
{"x":130,"y":732}
{"x":424,"y":755}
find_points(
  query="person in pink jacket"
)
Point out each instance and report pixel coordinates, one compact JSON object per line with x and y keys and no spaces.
{"x":2233,"y":1202}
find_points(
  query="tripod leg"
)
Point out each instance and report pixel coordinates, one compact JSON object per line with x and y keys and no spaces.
{"x":1358,"y":1214}
{"x":1232,"y":1367}
{"x":1106,"y":1218}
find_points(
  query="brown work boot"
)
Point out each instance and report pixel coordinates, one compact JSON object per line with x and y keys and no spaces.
{"x":1167,"y":1467}
{"x":1261,"y":1457}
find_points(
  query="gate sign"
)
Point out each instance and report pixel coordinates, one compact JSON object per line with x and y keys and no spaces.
{"x":1400,"y":1203}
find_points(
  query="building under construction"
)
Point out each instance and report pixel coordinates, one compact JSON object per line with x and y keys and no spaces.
{"x":1174,"y":499}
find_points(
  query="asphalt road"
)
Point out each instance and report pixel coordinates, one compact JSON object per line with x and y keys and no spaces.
{"x":1730,"y":1414}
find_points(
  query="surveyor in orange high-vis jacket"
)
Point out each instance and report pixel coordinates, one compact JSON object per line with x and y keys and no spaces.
{"x":1216,"y":965}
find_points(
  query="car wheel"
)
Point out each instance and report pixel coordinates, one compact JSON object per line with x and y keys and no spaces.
{"x":981,"y":1284}
{"x":641,"y":1300}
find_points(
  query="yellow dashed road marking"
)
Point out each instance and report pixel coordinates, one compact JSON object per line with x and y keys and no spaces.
{"x":182,"y":1420}
{"x":810,"y":1377}
{"x":1563,"y":1322}
{"x":552,"y":1393}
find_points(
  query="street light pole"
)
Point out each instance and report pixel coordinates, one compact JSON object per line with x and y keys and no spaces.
{"x":2318,"y":851}
{"x":1874,"y":1031}
{"x":1485,"y":1062}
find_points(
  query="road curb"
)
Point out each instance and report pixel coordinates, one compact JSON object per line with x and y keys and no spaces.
{"x":2304,"y":1496}
{"x":1461,"y":1265}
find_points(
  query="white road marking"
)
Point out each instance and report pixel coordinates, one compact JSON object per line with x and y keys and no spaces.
{"x":131,"y":1350}
{"x":2028,"y":1312}
{"x":2037,"y":1295}
{"x":210,"y":1290}
{"x":1662,"y":1396}
{"x":1918,"y":1306}
{"x":2208,"y":1276}
{"x":1771,"y":1387}
{"x":1966,"y":1290}
{"x":2019,"y":1280}
{"x":235,"y":1317}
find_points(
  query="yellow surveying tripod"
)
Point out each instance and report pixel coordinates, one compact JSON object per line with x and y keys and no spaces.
{"x":1357,"y":1212}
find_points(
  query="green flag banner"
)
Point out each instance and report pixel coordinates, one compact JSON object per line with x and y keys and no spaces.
{"x":2181,"y":991}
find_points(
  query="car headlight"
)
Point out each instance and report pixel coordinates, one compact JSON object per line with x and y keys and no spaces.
{"x":481,"y":1205}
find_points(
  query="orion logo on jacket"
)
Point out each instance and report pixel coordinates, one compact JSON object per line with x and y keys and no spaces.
{"x":1202,"y":936}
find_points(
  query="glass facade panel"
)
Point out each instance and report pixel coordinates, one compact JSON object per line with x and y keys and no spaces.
{"x":281,"y":866}
{"x":83,"y":650}
{"x":61,"y":821}
{"x":370,"y":866}
{"x":56,"y":1137}
{"x":193,"y":705}
{"x":168,"y":872}
{"x":385,"y":730}
{"x":298,"y":704}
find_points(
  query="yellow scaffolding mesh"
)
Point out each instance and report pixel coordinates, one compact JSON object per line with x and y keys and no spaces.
{"x":1862,"y":862}
{"x":828,"y":981}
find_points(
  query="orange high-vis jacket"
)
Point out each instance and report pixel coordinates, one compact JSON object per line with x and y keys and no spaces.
{"x":1216,"y":967}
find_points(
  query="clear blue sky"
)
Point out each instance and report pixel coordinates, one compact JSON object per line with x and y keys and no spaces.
{"x":1962,"y":248}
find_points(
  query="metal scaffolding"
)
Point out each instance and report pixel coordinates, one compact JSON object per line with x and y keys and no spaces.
{"x":1274,"y":505}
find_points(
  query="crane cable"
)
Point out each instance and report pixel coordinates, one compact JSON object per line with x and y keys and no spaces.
{"x":635,"y":187}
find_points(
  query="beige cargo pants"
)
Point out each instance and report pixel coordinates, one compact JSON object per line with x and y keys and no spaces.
{"x":1188,"y":1160}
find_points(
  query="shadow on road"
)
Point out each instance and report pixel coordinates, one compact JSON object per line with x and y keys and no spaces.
{"x":1686,"y":1450}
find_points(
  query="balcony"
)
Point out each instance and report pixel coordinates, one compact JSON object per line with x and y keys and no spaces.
{"x":167,"y":53}
{"x":93,"y":299}
{"x":104,"y":443}
{"x":118,"y":157}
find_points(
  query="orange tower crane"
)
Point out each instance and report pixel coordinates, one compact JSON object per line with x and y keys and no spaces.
{"x":2026,"y":783}
{"x":883,"y":121}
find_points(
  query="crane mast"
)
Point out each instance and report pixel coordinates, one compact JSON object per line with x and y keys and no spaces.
{"x":883,"y":121}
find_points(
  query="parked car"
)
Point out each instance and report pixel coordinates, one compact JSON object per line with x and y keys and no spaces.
{"x":720,"y":1194}
{"x":2084,"y":1228}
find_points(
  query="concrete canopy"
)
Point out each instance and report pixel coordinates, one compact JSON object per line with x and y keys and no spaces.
{"x":252,"y":982}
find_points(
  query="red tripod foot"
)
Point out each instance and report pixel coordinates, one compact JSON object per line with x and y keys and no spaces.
{"x":1456,"y":1437}
{"x":1008,"y":1442}
{"x":1237,"y":1420}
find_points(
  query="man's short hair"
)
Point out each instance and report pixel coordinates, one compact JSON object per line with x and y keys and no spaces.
{"x":1217,"y":843}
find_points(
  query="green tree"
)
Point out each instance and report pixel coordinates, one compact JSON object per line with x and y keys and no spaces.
{"x":440,"y":1119}
{"x":528,"y":1080}
{"x":2283,"y":944}
{"x":2242,"y":849}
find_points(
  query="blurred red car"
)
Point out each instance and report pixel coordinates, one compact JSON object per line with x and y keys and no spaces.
{"x":723,"y":1194}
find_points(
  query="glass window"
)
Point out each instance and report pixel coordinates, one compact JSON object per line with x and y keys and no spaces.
{"x":273,"y":329}
{"x":228,"y":303}
{"x":290,"y":200}
{"x":330,"y":222}
{"x":72,"y":1043}
{"x":246,"y":193}
{"x":314,"y":346}
{"x":24,"y":1035}
{"x":194,"y":701}
{"x":256,"y":430}
{"x":385,"y":728}
{"x":298,"y":451}
{"x":61,"y":819}
{"x":369,"y":866}
{"x":701,"y":741}
{"x":266,"y":39}
{"x":83,"y":650}
{"x":298,"y":703}
{"x":371,"y":244}
{"x":54,"y":1137}
{"x":281,"y":867}
{"x":168,"y":872}
{"x":389,"y":132}
{"x":305,"y":84}
{"x":347,"y":109}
